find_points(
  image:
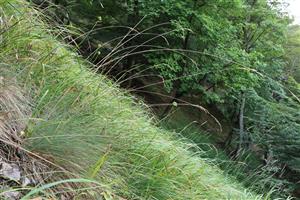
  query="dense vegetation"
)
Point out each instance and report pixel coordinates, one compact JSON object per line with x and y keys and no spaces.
{"x":236,"y":63}
{"x":75,"y":135}
{"x":239,"y":59}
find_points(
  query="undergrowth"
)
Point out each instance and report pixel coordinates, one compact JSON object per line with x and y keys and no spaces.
{"x":249,"y":171}
{"x":89,"y":129}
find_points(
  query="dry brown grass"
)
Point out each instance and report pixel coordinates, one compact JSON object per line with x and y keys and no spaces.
{"x":36,"y":169}
{"x":14,"y":113}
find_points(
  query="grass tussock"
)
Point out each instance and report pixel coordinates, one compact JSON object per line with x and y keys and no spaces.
{"x":14,"y":110}
{"x":85,"y":126}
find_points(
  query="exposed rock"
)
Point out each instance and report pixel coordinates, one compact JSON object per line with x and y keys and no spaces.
{"x":26,"y":181}
{"x":10,"y":171}
{"x":11,"y":195}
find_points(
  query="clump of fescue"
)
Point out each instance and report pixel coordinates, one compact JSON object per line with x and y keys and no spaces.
{"x":14,"y":111}
{"x":14,"y":115}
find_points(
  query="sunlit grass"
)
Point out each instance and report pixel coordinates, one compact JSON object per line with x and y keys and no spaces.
{"x":85,"y":124}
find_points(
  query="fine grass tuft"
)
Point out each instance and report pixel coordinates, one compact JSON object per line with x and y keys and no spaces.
{"x":83,"y":123}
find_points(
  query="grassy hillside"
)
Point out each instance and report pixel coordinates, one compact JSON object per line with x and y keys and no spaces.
{"x":84,"y":125}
